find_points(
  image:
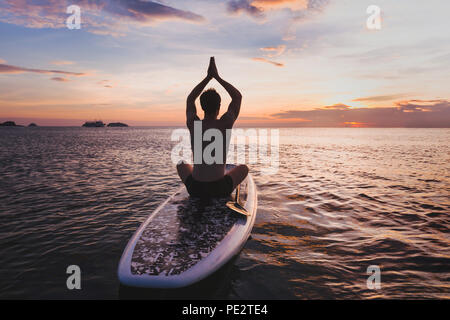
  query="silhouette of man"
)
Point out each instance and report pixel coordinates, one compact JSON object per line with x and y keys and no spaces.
{"x":206,"y":179}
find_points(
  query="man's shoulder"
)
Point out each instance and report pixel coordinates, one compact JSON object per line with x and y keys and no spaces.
{"x":191,"y":120}
{"x":227,"y":119}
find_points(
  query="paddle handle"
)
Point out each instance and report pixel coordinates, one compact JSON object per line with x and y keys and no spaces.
{"x":238,"y":191}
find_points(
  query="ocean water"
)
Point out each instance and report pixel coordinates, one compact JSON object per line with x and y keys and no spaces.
{"x":342,"y":200}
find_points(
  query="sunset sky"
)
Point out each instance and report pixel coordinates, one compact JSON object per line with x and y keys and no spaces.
{"x":297,"y":63}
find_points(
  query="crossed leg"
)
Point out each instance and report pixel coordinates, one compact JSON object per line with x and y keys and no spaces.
{"x":184,"y":170}
{"x":238,"y":174}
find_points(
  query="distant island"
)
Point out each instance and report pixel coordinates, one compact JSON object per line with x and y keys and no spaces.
{"x":117,"y":124}
{"x":100,"y":124}
{"x":32,"y":124}
{"x":9,"y":124}
{"x":94,"y":124}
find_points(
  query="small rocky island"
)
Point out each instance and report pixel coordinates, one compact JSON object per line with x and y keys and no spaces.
{"x":100,"y":124}
{"x":117,"y":124}
{"x":32,"y":125}
{"x":94,"y":124}
{"x":9,"y":124}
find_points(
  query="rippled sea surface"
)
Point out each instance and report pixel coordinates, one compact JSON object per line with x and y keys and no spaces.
{"x":343,"y":199}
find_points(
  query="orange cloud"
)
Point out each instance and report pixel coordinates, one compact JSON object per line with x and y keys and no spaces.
{"x":277,"y":64}
{"x":353,"y":124}
{"x":379,"y":98}
{"x":338,"y":106}
{"x":281,"y":4}
{"x":274,"y":51}
{"x":257,"y":8}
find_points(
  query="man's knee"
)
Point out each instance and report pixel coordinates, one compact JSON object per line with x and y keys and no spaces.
{"x":244,"y":169}
{"x":180,"y":164}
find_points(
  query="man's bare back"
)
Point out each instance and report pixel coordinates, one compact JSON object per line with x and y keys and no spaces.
{"x":215,"y":171}
{"x":210,"y":179}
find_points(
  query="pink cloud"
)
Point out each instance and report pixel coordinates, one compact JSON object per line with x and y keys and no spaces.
{"x":60,"y":79}
{"x":97,"y":16}
{"x":8,"y":69}
{"x":105,"y":83}
{"x":411,"y":113}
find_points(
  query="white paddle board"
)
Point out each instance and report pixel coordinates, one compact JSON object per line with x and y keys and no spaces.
{"x":187,"y":239}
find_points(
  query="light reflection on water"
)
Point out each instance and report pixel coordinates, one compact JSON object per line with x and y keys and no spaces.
{"x":343,"y":199}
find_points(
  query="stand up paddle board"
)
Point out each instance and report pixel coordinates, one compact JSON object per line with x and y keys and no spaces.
{"x":187,"y":239}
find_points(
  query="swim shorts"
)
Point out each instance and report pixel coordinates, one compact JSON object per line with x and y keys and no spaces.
{"x":209,"y":189}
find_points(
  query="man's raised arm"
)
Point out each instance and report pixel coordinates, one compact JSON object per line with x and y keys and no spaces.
{"x":191,"y":110}
{"x":236,"y":97}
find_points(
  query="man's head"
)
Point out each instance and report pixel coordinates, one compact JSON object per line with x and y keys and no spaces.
{"x":210,"y":101}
